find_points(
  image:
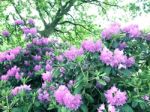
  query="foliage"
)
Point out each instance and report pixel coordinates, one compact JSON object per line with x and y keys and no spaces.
{"x":31,"y":75}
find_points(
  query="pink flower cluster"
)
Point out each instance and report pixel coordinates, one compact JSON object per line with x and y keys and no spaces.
{"x":5,"y":33}
{"x":37,"y":68}
{"x":73,"y":53}
{"x":43,"y":96}
{"x":110,"y":108}
{"x":111,"y":30}
{"x":40,"y":41}
{"x":19,"y":22}
{"x":48,"y":67}
{"x":64,"y":97}
{"x":31,"y":21}
{"x":115,"y":97}
{"x":132,"y":30}
{"x":32,"y":31}
{"x":60,"y":58}
{"x":91,"y":46}
{"x":13,"y":72}
{"x":10,"y":54}
{"x":47,"y":76}
{"x":36,"y":57}
{"x":116,"y":58}
{"x":19,"y":89}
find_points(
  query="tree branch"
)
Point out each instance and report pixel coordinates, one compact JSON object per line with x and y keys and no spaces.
{"x":49,"y":28}
{"x":40,"y":13}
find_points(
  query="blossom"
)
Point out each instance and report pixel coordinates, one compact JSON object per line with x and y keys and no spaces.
{"x":146,"y":97}
{"x":37,"y":57}
{"x":132,"y":30}
{"x":47,"y":76}
{"x":116,"y":58}
{"x":18,"y":76}
{"x":101,"y":108}
{"x":5,"y":33}
{"x":88,"y":45}
{"x":122,"y":46}
{"x":106,"y":56}
{"x":111,"y":30}
{"x":64,"y":97}
{"x":13,"y":71}
{"x":26,"y":30}
{"x":40,"y":41}
{"x":60,"y":58}
{"x":72,"y":102}
{"x":60,"y":93}
{"x":37,"y":68}
{"x":9,"y":55}
{"x":4,"y":77}
{"x":130,"y":61}
{"x":31,"y":21}
{"x":73,"y":53}
{"x":33,"y":31}
{"x":115,"y":97}
{"x":19,"y":89}
{"x":48,"y":67}
{"x":19,"y":22}
{"x":111,"y":108}
{"x":43,"y":95}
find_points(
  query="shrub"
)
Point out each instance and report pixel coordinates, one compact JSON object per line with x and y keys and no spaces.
{"x":106,"y":75}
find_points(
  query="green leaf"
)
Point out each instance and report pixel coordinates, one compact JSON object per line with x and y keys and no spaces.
{"x":84,"y":108}
{"x":126,"y":108}
{"x":102,"y":82}
{"x":134,"y":104}
{"x":89,"y":98}
{"x":107,"y":70}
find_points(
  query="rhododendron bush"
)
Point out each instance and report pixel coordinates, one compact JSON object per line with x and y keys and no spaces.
{"x":111,"y":74}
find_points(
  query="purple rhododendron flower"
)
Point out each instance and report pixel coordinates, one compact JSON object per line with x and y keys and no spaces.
{"x":132,"y":30}
{"x":130,"y":61}
{"x":48,"y":67}
{"x":60,"y":93}
{"x":19,"y":22}
{"x":31,"y":21}
{"x":5,"y":33}
{"x":19,"y":89}
{"x":9,"y":55}
{"x":37,"y":68}
{"x":122,"y":46}
{"x":116,"y":58}
{"x":43,"y":95}
{"x":33,"y":31}
{"x":37,"y":57}
{"x":13,"y":71}
{"x":115,"y":97}
{"x":47,"y":76}
{"x":111,"y":108}
{"x":73,"y":53}
{"x":41,"y":41}
{"x":60,"y":58}
{"x":72,"y":102}
{"x":64,"y":97}
{"x":88,"y":45}
{"x":106,"y":56}
{"x":101,"y":108}
{"x":111,"y":30}
{"x":26,"y":30}
{"x":4,"y":77}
